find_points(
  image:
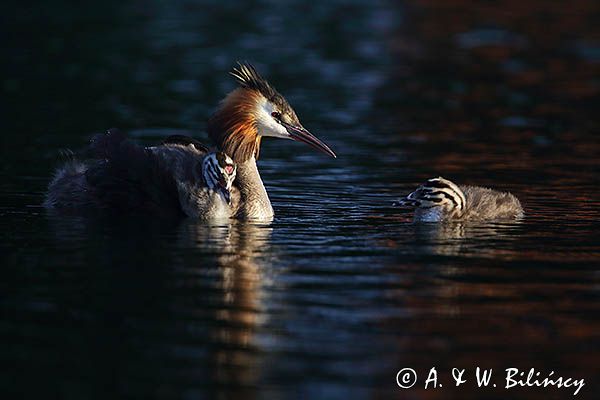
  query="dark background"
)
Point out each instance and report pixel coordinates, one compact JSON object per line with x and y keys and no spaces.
{"x":341,"y":290}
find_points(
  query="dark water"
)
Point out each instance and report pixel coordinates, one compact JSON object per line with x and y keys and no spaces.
{"x":341,"y":291}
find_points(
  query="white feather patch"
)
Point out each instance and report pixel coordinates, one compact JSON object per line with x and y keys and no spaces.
{"x":267,"y":125}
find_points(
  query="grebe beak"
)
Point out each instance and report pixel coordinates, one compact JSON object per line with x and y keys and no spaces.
{"x":299,"y":134}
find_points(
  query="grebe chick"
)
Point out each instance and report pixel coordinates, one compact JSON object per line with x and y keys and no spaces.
{"x":210,"y":198}
{"x":439,"y":199}
{"x":180,"y":177}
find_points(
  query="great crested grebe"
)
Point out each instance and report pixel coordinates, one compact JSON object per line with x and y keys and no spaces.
{"x":122,"y":169}
{"x":178,"y":177}
{"x":439,"y":199}
{"x":248,"y":113}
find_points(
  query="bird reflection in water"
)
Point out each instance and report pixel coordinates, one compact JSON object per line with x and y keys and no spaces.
{"x":467,"y":239}
{"x":239,"y":282}
{"x":182,"y":301}
{"x":452,"y":238}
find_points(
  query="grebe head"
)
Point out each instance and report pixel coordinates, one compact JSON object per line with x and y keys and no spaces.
{"x":252,"y":111}
{"x":218,"y":171}
{"x":436,"y":199}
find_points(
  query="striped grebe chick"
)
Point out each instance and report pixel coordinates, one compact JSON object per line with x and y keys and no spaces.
{"x":439,"y":199}
{"x":210,"y":197}
{"x":179,"y":177}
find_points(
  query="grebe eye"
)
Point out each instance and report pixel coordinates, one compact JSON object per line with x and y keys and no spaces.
{"x":229,"y":169}
{"x":276,"y":115}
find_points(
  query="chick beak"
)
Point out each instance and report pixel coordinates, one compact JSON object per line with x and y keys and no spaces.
{"x":300,"y":134}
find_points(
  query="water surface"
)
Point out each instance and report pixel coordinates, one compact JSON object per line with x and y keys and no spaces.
{"x":341,"y":291}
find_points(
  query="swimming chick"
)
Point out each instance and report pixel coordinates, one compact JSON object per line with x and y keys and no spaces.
{"x":179,"y":177}
{"x":439,"y":199}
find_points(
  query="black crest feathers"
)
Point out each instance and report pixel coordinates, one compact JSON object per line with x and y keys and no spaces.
{"x":247,"y":77}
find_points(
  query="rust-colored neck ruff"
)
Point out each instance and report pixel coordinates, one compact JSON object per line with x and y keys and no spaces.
{"x":233,"y":126}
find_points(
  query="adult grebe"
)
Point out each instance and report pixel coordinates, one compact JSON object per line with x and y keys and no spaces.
{"x":177,"y":178}
{"x":248,"y":113}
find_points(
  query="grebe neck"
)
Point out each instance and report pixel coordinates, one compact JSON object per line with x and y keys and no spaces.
{"x":255,"y":203}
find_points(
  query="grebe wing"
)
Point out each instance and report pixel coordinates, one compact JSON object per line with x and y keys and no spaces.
{"x":128,"y":177}
{"x":186,"y":141}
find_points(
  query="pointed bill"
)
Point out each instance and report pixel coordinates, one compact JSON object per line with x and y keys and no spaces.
{"x":300,"y":134}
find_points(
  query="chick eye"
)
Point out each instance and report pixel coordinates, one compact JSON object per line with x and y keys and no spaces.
{"x":276,"y":115}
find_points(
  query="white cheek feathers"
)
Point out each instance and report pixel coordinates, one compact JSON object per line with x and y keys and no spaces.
{"x":267,"y":125}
